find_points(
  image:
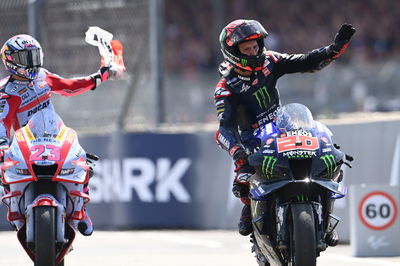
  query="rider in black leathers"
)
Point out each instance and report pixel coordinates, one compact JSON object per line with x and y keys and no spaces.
{"x":246,"y":96}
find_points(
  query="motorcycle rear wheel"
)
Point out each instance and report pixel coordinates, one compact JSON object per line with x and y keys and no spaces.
{"x":45,"y":235}
{"x":302,"y":235}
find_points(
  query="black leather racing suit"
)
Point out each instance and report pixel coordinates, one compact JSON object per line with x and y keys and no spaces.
{"x":245,"y":103}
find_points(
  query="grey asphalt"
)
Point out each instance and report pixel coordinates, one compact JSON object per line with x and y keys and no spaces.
{"x":172,"y":248}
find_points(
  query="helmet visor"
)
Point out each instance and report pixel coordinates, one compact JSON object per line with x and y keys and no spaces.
{"x":248,"y":31}
{"x":28,"y":58}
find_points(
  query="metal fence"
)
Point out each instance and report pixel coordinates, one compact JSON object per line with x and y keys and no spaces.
{"x":62,"y":25}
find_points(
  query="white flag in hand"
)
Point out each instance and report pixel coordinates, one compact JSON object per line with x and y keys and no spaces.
{"x":111,"y":51}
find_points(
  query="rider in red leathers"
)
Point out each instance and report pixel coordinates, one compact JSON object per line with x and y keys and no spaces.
{"x":28,"y":90}
{"x":246,"y":96}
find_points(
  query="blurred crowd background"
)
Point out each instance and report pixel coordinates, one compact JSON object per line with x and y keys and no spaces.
{"x":364,"y":79}
{"x":293,"y":27}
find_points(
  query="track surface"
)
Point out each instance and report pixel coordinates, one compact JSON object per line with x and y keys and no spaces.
{"x":172,"y":248}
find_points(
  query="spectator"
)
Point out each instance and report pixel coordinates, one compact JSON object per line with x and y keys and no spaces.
{"x":189,"y":38}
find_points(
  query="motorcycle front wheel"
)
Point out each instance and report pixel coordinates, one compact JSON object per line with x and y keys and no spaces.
{"x":45,"y":235}
{"x":302,"y":235}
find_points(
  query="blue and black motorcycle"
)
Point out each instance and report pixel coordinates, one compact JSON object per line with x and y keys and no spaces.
{"x":298,"y":174}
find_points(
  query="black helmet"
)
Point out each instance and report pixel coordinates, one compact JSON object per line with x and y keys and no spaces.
{"x":240,"y":31}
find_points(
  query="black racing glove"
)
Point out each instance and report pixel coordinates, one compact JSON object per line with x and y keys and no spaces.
{"x":243,"y":172}
{"x":241,"y":185}
{"x":342,"y":40}
{"x":101,"y":76}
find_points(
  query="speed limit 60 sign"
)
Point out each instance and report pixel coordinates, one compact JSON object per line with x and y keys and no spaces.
{"x":377,"y":210}
{"x":374,"y":220}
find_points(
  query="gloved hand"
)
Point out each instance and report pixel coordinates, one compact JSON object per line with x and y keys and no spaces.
{"x":243,"y":171}
{"x":101,"y":76}
{"x":115,"y":69}
{"x":241,"y":183}
{"x":342,"y":40}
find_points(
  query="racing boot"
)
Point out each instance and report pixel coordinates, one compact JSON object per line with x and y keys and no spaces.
{"x":86,"y":226}
{"x":245,"y":223}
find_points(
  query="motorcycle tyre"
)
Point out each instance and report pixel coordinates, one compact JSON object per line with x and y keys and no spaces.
{"x":303,"y":235}
{"x":45,"y":235}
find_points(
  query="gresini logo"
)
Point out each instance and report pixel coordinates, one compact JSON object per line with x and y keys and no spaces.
{"x":330,"y":163}
{"x":268,"y":165}
{"x":118,"y":180}
{"x":262,"y":97}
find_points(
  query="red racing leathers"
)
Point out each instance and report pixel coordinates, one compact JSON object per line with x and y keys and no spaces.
{"x":19,"y":100}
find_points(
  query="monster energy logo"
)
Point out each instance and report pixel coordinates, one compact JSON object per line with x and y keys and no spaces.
{"x":302,"y":198}
{"x":262,"y":97}
{"x":243,"y":62}
{"x":268,"y":165}
{"x":330,"y":163}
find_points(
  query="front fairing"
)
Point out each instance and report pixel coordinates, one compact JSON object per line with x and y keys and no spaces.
{"x":45,"y":148}
{"x":278,"y":160}
{"x":297,"y":165}
{"x":45,"y":165}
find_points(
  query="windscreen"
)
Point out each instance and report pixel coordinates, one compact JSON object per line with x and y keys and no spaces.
{"x":294,"y":116}
{"x":45,"y":123}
